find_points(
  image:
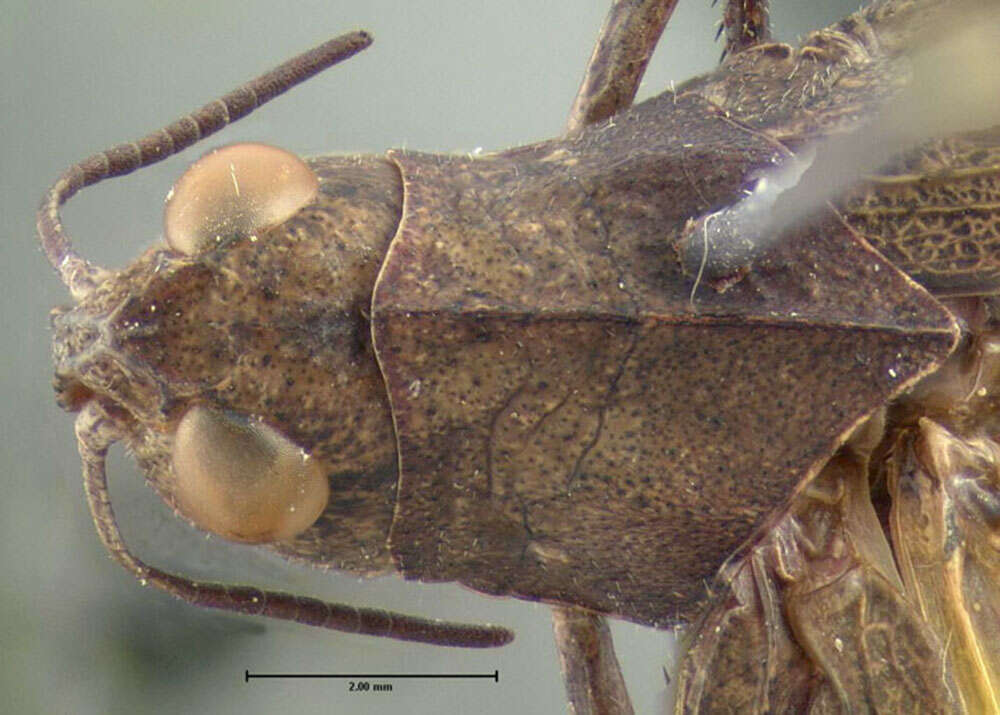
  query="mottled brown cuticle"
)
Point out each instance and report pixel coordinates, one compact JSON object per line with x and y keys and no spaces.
{"x":272,"y":327}
{"x":520,"y":443}
{"x":509,"y":381}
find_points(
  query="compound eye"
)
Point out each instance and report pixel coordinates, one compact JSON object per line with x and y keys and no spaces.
{"x":243,"y":480}
{"x":235,"y":192}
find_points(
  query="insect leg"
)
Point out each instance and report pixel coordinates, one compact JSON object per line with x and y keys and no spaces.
{"x":591,"y":672}
{"x":624,"y":46}
{"x":746,"y":23}
{"x":97,"y":429}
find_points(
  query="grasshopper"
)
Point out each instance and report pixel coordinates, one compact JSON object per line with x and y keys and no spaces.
{"x":123,"y":398}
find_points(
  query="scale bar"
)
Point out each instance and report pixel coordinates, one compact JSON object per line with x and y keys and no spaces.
{"x":248,"y":676}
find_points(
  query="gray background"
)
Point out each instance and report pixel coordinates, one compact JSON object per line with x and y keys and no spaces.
{"x":77,"y":633}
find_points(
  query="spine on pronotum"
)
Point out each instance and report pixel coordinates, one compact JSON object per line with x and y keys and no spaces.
{"x":98,"y":427}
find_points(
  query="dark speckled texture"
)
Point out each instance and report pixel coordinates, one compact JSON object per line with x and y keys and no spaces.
{"x":567,"y":415}
{"x":272,"y":327}
{"x":87,"y":638}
